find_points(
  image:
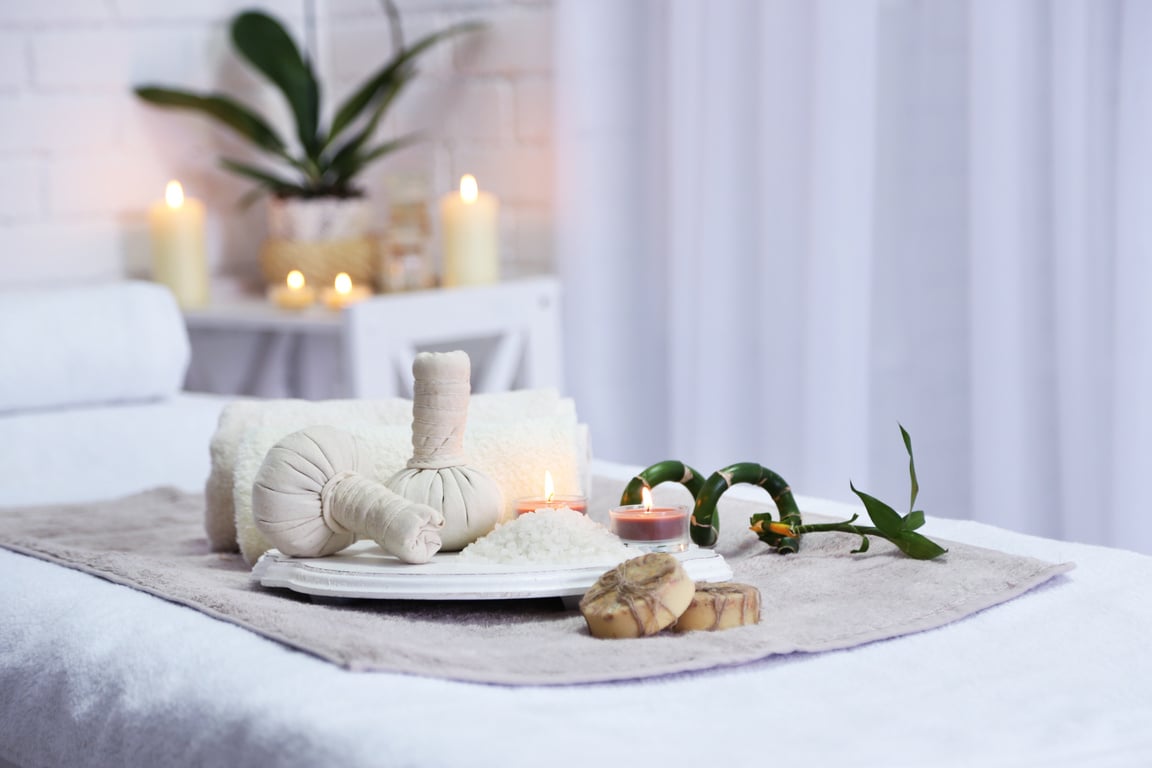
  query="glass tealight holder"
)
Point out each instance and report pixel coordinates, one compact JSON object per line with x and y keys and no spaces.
{"x":651,"y":529}
{"x":575,"y":503}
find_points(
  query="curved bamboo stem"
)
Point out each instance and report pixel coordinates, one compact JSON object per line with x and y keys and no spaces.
{"x":662,"y":472}
{"x":705,"y":524}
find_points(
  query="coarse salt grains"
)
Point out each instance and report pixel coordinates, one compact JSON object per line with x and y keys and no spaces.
{"x":549,"y":536}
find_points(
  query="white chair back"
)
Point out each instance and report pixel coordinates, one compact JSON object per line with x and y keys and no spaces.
{"x":516,"y":325}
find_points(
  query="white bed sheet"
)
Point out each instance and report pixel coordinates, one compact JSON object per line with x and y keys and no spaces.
{"x":97,"y":674}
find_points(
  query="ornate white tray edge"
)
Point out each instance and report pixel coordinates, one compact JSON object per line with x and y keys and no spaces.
{"x":364,"y":572}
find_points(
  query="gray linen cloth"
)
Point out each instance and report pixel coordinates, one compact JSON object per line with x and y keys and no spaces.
{"x":821,"y":599}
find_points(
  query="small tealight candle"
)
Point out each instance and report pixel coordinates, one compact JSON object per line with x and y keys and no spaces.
{"x":650,"y":528}
{"x":294,"y":294}
{"x":551,"y":500}
{"x":343,"y":292}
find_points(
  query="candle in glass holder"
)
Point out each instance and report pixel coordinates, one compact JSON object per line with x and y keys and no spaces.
{"x":343,"y":292}
{"x":551,"y":500}
{"x":651,"y":528}
{"x":294,"y":294}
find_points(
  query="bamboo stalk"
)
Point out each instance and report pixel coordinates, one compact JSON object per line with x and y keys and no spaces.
{"x":705,"y":523}
{"x":662,"y":472}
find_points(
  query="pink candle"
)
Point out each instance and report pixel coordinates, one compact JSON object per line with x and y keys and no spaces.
{"x":550,"y":500}
{"x":577,"y":503}
{"x":656,"y":524}
{"x":658,"y":529}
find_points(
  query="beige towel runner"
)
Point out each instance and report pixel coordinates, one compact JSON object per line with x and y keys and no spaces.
{"x":821,"y":599}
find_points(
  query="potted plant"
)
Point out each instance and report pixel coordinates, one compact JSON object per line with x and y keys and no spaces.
{"x":317,"y":216}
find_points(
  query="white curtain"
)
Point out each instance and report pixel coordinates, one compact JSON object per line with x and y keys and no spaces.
{"x":786,"y":225}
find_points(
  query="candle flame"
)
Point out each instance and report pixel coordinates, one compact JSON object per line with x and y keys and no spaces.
{"x":646,"y":499}
{"x":295,"y":279}
{"x":469,"y":189}
{"x":549,"y":487}
{"x":343,"y":284}
{"x":174,"y":194}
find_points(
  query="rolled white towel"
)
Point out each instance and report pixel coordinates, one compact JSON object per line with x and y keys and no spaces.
{"x":76,"y":345}
{"x":281,"y":417}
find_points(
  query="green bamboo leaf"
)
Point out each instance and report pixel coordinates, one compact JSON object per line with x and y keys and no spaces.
{"x":913,"y":520}
{"x":863,"y":546}
{"x":883,"y":516}
{"x":916,"y":546}
{"x":911,"y":466}
{"x":248,"y":124}
{"x":390,"y":79}
{"x":263,"y":41}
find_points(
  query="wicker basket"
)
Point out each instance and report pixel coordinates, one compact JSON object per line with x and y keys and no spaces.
{"x":320,"y":260}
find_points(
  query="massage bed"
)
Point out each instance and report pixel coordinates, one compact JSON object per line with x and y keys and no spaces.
{"x":94,"y":672}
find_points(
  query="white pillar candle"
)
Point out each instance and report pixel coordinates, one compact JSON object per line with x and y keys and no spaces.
{"x":470,"y":226}
{"x":179,"y":260}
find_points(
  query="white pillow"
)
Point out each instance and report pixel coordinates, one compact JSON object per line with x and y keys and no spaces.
{"x":90,"y":344}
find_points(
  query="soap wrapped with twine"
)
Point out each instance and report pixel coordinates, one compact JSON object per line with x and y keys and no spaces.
{"x":438,"y":474}
{"x":314,"y":496}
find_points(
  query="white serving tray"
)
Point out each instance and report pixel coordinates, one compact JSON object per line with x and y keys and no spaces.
{"x":364,"y":571}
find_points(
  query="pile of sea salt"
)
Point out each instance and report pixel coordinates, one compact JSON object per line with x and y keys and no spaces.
{"x":549,"y":536}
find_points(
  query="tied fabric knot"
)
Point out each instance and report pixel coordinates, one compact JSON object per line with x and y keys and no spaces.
{"x":406,"y":529}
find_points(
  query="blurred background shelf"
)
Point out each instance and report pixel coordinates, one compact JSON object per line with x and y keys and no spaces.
{"x":249,"y":347}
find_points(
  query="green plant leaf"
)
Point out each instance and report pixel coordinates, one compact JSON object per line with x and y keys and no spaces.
{"x":389,"y":79}
{"x":251,"y":196}
{"x":264,"y":42}
{"x":388,"y":147}
{"x":863,"y":546}
{"x":916,"y":546}
{"x":883,"y":516}
{"x":911,"y":466}
{"x":346,"y":159}
{"x":348,"y":166}
{"x":913,"y":520}
{"x":276,"y":183}
{"x":223,"y":109}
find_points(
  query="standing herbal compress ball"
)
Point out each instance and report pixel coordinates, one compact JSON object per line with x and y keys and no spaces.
{"x":436,"y":474}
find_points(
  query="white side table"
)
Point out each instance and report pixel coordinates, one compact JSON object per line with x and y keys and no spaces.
{"x":248,"y":346}
{"x":251,"y":347}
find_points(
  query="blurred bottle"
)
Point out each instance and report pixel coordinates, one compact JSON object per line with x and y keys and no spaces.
{"x":405,"y":247}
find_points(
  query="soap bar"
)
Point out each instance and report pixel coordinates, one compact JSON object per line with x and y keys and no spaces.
{"x":639,"y":597}
{"x":720,"y":606}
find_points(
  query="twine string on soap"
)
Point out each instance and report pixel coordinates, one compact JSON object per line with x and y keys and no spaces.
{"x":633,"y":585}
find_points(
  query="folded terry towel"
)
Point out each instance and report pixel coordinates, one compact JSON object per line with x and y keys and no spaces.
{"x":75,"y":345}
{"x":513,"y":436}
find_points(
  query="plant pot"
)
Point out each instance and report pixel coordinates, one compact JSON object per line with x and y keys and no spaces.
{"x":321,"y":237}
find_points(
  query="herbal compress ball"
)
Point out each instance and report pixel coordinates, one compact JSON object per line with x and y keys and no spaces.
{"x":314,"y":495}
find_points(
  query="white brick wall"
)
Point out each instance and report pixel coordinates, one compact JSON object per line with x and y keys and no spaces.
{"x":81,"y":159}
